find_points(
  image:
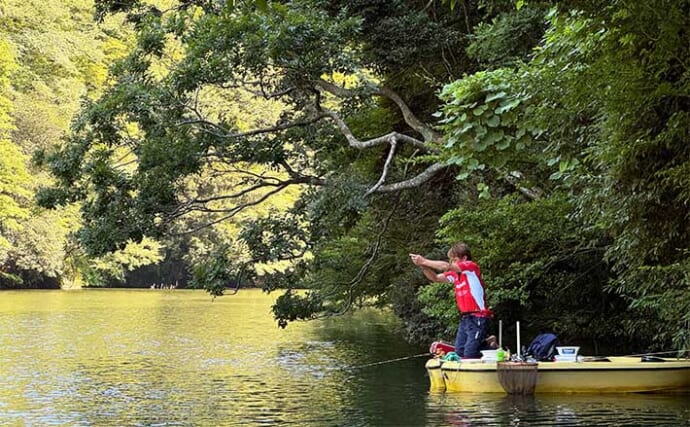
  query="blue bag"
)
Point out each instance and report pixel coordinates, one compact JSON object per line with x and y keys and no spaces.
{"x":543,"y":347}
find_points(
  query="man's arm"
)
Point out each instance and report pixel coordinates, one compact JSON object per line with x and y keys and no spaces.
{"x":436,"y":265}
{"x":428,"y":263}
{"x":433,"y":276}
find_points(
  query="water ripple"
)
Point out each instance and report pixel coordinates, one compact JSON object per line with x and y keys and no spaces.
{"x":140,"y":358}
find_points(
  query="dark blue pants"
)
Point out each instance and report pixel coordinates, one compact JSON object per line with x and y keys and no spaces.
{"x":471,"y":335}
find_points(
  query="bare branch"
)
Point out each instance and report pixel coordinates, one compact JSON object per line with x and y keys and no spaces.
{"x":392,"y":138}
{"x":291,"y":172}
{"x":412,"y":120}
{"x":236,"y":210}
{"x":270,"y":95}
{"x":413,"y":182}
{"x":426,"y":131}
{"x":384,"y":139}
{"x":384,"y":173}
{"x":199,"y":204}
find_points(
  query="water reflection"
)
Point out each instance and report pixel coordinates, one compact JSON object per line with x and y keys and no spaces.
{"x":466,"y":409}
{"x":161,"y":358}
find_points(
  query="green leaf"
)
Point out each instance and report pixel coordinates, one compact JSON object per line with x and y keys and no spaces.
{"x":493,"y":121}
{"x":503,"y":144}
{"x":473,"y":164}
{"x":483,"y":190}
{"x":507,"y":105}
{"x":478,"y":111}
{"x":563,"y":166}
{"x":495,"y":96}
{"x":480,"y":145}
{"x":455,"y":160}
{"x":494,"y":136}
{"x":465,"y":127}
{"x":262,"y":5}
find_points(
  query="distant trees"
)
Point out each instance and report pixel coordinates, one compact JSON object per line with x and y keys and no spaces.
{"x":51,"y":56}
{"x":15,"y":193}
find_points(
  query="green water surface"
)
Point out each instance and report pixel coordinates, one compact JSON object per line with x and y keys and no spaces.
{"x":175,"y":358}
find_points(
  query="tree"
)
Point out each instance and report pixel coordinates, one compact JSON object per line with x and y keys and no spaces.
{"x":52,"y":55}
{"x":596,"y":115}
{"x":637,"y":84}
{"x":111,"y":269}
{"x":14,"y":192}
{"x":343,"y":135}
{"x":567,"y":137}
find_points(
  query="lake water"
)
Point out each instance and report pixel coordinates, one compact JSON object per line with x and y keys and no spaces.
{"x":175,"y":358}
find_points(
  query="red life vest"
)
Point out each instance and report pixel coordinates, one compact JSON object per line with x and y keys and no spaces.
{"x":469,"y":289}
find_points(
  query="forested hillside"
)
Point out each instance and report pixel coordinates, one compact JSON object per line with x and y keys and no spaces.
{"x":51,"y":55}
{"x":314,"y":144}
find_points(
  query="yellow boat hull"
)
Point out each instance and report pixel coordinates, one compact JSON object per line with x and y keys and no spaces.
{"x":619,"y":375}
{"x":433,"y":368}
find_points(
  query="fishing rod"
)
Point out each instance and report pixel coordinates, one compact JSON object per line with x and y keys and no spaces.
{"x":686,"y":351}
{"x":427,"y":354}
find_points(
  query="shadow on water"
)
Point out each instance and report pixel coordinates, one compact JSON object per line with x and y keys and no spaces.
{"x":385,"y":384}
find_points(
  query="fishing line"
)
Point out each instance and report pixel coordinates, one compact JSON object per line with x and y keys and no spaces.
{"x":427,"y":354}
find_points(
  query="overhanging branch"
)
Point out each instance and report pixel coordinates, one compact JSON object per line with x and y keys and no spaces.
{"x":423,"y":129}
{"x":384,"y":139}
{"x":418,"y":180}
{"x":316,"y":113}
{"x":384,"y":173}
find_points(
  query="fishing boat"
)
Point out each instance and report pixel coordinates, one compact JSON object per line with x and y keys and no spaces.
{"x":582,"y":375}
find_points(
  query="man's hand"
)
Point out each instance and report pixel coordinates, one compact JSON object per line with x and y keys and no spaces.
{"x":417,"y":259}
{"x":430,"y":274}
{"x":420,"y":261}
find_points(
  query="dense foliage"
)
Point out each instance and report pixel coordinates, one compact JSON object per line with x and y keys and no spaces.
{"x":51,"y":54}
{"x":595,"y":124}
{"x":312,"y":144}
{"x":174,"y":109}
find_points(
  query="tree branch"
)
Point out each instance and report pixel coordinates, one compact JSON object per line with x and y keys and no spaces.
{"x":418,"y":180}
{"x":392,"y":139}
{"x":279,"y":127}
{"x":198,"y":204}
{"x":385,"y":169}
{"x":234,"y":211}
{"x":361,"y":274}
{"x":384,"y":139}
{"x":426,"y":131}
